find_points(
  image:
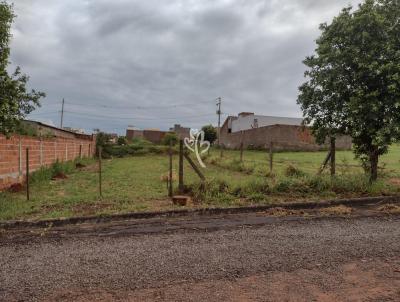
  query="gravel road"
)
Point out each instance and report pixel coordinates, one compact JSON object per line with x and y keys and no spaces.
{"x":328,"y":259}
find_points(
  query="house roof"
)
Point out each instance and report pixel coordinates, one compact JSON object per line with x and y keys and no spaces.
{"x":58,"y":129}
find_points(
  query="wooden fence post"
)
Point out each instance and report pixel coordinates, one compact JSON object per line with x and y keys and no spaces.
{"x":195,"y":168}
{"x":27,"y":174}
{"x":241,"y":146}
{"x":326,"y":160}
{"x":271,"y":156}
{"x":333,"y":156}
{"x":180,"y":167}
{"x":170,"y":189}
{"x":100,"y":178}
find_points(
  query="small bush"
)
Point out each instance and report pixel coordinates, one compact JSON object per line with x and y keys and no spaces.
{"x":237,"y":165}
{"x":138,"y":148}
{"x":283,"y":186}
{"x":56,"y":169}
{"x":257,"y":186}
{"x":122,"y":141}
{"x":269,"y":174}
{"x":292,"y":171}
{"x":256,"y":197}
{"x":170,"y":138}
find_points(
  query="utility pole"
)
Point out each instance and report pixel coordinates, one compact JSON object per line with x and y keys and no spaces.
{"x":62,"y":114}
{"x":219,"y":101}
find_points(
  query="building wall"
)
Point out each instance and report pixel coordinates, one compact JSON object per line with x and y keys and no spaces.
{"x":181,"y":132}
{"x":249,"y":121}
{"x":131,"y":134}
{"x":42,"y":152}
{"x":154,"y":136}
{"x":284,"y":137}
{"x":48,"y":131}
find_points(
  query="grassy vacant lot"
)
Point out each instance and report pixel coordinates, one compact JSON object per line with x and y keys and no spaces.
{"x":135,"y":184}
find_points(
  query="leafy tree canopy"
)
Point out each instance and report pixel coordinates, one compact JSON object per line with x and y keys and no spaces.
{"x":170,"y":138}
{"x":16,"y":101}
{"x":210,"y":133}
{"x":353,"y":80}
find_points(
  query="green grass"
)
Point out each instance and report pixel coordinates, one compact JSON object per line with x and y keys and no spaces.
{"x":134,"y":183}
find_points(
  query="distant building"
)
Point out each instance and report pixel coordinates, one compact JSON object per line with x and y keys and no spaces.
{"x":76,"y":130}
{"x":45,"y":130}
{"x":154,"y":135}
{"x":248,"y":120}
{"x":180,"y":131}
{"x":133,"y":132}
{"x":259,"y":131}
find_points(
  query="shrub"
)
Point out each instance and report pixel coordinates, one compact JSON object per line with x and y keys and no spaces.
{"x":256,"y":197}
{"x":170,"y":138}
{"x":122,"y":141}
{"x":292,"y":171}
{"x":56,"y":169}
{"x":283,"y":186}
{"x":237,"y":165}
{"x":257,"y":186}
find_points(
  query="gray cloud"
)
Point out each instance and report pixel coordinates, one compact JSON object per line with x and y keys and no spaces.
{"x":109,"y":57}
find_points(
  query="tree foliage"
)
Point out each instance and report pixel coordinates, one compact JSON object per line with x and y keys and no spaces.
{"x":210,"y":133}
{"x":353,"y":80}
{"x":170,"y":138}
{"x":16,"y":101}
{"x":122,"y":140}
{"x":102,"y":140}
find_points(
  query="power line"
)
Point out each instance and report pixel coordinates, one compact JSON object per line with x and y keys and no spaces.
{"x":43,"y":113}
{"x":136,"y":118}
{"x":134,"y":107}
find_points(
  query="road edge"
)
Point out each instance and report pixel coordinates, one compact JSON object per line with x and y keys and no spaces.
{"x":192,"y":212}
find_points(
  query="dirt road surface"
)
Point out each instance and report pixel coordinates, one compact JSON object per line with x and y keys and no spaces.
{"x":246,"y":257}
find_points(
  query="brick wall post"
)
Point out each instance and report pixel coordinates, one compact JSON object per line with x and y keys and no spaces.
{"x":41,"y":152}
{"x":55,"y":151}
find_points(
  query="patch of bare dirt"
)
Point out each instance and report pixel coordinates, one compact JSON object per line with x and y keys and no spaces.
{"x":91,"y":168}
{"x":395,"y":181}
{"x":389,"y":209}
{"x":278,"y":211}
{"x":15,"y":188}
{"x":59,"y":176}
{"x":84,"y":209}
{"x":357,"y":281}
{"x":337,"y":210}
{"x":80,"y":166}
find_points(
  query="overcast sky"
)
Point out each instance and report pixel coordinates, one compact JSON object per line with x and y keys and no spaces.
{"x":155,"y":63}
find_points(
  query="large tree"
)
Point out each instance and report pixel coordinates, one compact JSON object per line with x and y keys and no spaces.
{"x":16,"y":101}
{"x":353,"y":79}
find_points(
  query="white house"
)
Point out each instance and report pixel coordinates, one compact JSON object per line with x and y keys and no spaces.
{"x":248,"y":120}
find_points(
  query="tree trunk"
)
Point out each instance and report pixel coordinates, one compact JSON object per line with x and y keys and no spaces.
{"x":333,"y":156}
{"x":373,"y":159}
